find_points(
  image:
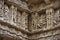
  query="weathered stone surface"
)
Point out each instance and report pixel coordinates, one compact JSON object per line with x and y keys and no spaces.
{"x":1,"y":9}
{"x":29,"y":20}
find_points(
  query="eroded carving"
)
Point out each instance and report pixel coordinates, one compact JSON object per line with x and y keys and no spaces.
{"x":6,"y":13}
{"x":49,"y":17}
{"x":24,"y":20}
{"x":56,"y":17}
{"x":1,"y":9}
{"x":38,"y":22}
{"x":42,"y":25}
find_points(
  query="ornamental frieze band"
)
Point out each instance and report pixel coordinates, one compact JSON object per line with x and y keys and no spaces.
{"x":29,"y":19}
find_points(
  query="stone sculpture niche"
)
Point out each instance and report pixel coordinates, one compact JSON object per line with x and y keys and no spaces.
{"x":1,"y":9}
{"x":13,"y":11}
{"x":38,"y":22}
{"x":6,"y":13}
{"x":49,"y":17}
{"x":56,"y":17}
{"x":22,"y":20}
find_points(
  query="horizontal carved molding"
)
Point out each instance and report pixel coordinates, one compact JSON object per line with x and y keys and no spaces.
{"x":40,"y":30}
{"x":13,"y":26}
{"x":5,"y":32}
{"x":47,"y":29}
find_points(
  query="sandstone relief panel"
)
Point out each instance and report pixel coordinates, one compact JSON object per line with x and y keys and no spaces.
{"x":43,"y":21}
{"x":38,"y":21}
{"x":22,"y":20}
{"x":14,"y":17}
{"x":18,"y":21}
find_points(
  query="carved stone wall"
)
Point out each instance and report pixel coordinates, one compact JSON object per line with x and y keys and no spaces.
{"x":29,"y":20}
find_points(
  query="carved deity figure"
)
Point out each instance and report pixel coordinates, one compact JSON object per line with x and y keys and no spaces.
{"x":56,"y":17}
{"x":18,"y":18}
{"x":24,"y":20}
{"x":1,"y":9}
{"x":49,"y":17}
{"x":38,"y":22}
{"x":13,"y":13}
{"x":6,"y":13}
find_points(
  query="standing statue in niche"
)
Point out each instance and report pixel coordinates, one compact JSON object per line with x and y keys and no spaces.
{"x":24,"y":20}
{"x":1,"y":10}
{"x":34,"y":21}
{"x":38,"y":22}
{"x":13,"y":14}
{"x":6,"y":13}
{"x":18,"y":18}
{"x":56,"y":17}
{"x":49,"y":17}
{"x":42,"y":21}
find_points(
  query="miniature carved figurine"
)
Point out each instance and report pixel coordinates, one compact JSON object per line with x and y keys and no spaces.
{"x":13,"y":11}
{"x":49,"y":17}
{"x":6,"y":13}
{"x":1,"y":10}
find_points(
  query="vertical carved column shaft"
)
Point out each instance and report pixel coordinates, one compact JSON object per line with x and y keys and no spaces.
{"x":49,"y":17}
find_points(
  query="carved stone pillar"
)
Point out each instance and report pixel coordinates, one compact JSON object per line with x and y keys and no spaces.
{"x":49,"y":17}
